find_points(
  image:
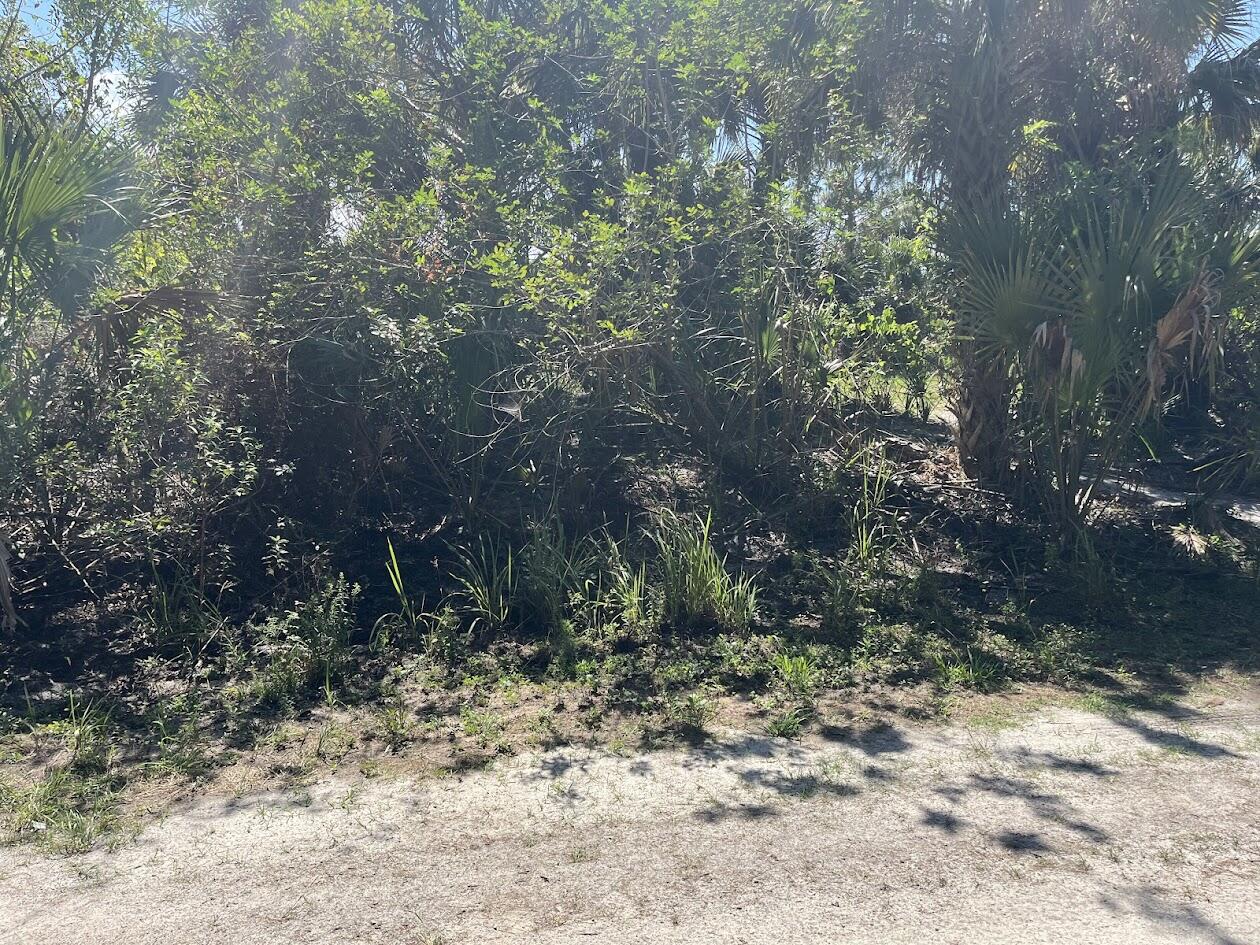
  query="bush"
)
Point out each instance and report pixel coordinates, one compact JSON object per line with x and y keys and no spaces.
{"x":304,"y":646}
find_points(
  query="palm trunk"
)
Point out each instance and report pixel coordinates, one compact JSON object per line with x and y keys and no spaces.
{"x":8,"y":622}
{"x":982,"y":401}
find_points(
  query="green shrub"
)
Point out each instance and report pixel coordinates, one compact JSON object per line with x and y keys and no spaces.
{"x":306,"y":645}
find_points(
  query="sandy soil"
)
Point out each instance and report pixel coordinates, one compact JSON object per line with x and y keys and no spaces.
{"x":1067,"y":827}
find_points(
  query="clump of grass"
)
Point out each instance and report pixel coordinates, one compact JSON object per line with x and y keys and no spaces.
{"x":553,"y":571}
{"x":619,"y":601}
{"x":182,"y":750}
{"x":968,"y":669}
{"x":995,"y":719}
{"x":334,"y":742}
{"x":798,"y":677}
{"x":788,"y":722}
{"x":690,"y":713}
{"x":580,"y":596}
{"x":436,"y":632}
{"x":407,"y":620}
{"x":180,"y":614}
{"x":792,"y":701}
{"x":840,"y":605}
{"x":695,"y":583}
{"x":395,"y":726}
{"x":631,"y":598}
{"x":73,"y":803}
{"x":1099,"y":704}
{"x":85,"y":733}
{"x":872,"y":529}
{"x":487,"y":581}
{"x":64,"y":811}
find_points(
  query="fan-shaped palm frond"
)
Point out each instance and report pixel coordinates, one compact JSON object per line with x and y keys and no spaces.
{"x":1215,"y":23}
{"x":60,"y":210}
{"x":1224,"y":92}
{"x":1009,"y":275}
{"x":62,"y":206}
{"x":1096,"y":303}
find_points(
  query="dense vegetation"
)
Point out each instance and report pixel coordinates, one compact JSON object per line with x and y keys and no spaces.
{"x":402,"y":354}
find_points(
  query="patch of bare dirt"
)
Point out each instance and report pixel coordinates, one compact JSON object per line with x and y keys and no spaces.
{"x":1049,"y":825}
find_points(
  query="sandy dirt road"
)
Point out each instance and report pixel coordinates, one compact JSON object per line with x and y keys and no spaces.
{"x":1068,"y":827}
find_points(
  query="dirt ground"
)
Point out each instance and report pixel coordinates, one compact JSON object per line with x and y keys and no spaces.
{"x":1055,"y":825}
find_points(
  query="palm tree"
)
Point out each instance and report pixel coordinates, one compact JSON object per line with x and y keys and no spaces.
{"x":55,"y":187}
{"x":1095,"y":302}
{"x":972,"y":87}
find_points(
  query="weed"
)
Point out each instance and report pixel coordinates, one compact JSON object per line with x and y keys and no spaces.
{"x":993,"y":720}
{"x":510,"y":689}
{"x":798,"y":676}
{"x":788,"y":722}
{"x":395,"y":726}
{"x":885,"y":652}
{"x":562,"y":644}
{"x":1057,"y":652}
{"x":305,"y":645}
{"x":407,"y":620}
{"x":694,"y":579}
{"x":442,"y":636}
{"x":324,"y":622}
{"x":689,"y":713}
{"x":678,"y":672}
{"x":487,"y":583}
{"x":282,"y":677}
{"x":484,"y":726}
{"x":971,"y":669}
{"x":544,"y":726}
{"x":743,"y":657}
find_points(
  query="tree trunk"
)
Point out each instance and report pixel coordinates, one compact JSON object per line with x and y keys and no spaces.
{"x":8,"y":622}
{"x":982,"y":407}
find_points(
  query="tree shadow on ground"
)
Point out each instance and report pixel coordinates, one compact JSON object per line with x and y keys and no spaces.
{"x":1178,"y":742}
{"x":1151,"y":903}
{"x":880,"y":739}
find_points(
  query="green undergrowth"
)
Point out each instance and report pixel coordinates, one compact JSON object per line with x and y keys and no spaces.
{"x":609,"y":641}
